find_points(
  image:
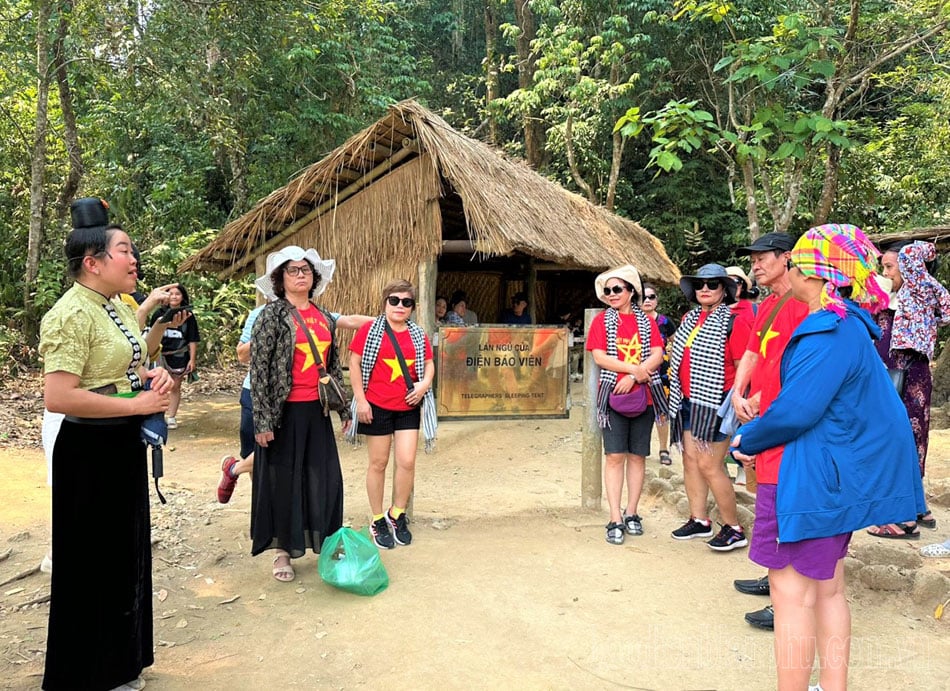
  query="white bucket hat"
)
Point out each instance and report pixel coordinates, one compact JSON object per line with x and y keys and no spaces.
{"x":627,"y":273}
{"x":324,"y":267}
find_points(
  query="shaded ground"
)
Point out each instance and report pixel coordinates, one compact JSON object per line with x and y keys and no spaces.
{"x":508,"y":583}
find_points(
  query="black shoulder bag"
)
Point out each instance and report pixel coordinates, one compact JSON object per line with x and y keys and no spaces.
{"x":332,"y":395}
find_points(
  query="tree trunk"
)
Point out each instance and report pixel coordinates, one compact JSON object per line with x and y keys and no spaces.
{"x":614,"y":171}
{"x":491,"y":68}
{"x":533,"y":130}
{"x":37,"y":169}
{"x":70,"y":134}
{"x":751,"y":208}
{"x":572,"y":162}
{"x":239,"y":190}
{"x":829,"y":186}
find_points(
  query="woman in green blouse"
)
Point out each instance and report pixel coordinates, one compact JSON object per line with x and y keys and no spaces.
{"x":100,"y":623}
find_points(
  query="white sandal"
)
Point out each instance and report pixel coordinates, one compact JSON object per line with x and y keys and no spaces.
{"x":939,"y":549}
{"x":284,"y":574}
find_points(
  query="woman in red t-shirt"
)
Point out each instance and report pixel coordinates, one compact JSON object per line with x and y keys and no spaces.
{"x":706,"y":349}
{"x":627,"y":346}
{"x":391,"y":371}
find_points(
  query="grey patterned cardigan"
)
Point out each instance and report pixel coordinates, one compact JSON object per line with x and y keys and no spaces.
{"x":272,"y":359}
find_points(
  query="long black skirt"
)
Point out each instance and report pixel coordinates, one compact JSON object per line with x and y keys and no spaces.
{"x":100,"y":619}
{"x":297,"y":495}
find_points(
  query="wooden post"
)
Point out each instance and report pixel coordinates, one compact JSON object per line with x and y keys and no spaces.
{"x":591,"y":443}
{"x":530,"y":287}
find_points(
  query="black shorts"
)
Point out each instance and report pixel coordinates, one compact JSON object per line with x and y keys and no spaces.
{"x":628,"y":435}
{"x":385,"y":422}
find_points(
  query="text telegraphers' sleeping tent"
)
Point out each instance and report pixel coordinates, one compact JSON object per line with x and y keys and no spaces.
{"x":408,"y":190}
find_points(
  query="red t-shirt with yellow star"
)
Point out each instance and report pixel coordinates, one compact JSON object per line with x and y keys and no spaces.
{"x":766,"y":375}
{"x":304,"y":373}
{"x":387,"y":385}
{"x":629,"y":347}
{"x":741,"y":327}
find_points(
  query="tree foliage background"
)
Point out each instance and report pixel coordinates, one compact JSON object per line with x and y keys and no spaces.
{"x":705,"y":121}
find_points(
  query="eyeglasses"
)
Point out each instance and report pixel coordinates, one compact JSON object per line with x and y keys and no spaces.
{"x":298,"y":271}
{"x":616,"y":290}
{"x":647,"y":296}
{"x":711,"y":283}
{"x":406,"y":302}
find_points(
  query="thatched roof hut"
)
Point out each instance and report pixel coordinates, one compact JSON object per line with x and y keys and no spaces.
{"x":409,"y":195}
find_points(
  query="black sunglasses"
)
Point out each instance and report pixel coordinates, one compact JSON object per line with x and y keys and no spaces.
{"x":649,"y":296}
{"x":711,"y":283}
{"x":406,"y":302}
{"x":616,"y":290}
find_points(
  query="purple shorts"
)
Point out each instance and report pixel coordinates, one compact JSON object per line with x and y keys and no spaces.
{"x":815,"y":558}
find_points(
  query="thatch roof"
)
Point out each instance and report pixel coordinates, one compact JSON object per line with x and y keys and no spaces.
{"x":939,"y":235}
{"x":414,"y":164}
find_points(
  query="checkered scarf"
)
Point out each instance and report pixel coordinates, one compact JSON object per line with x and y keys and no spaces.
{"x":842,"y":255}
{"x":707,"y":373}
{"x":374,"y":339}
{"x":608,"y":379}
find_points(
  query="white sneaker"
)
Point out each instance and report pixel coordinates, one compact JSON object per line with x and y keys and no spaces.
{"x":740,"y":476}
{"x":46,"y":566}
{"x":172,"y":423}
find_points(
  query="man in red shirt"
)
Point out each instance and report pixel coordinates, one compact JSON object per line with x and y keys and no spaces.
{"x":759,"y":370}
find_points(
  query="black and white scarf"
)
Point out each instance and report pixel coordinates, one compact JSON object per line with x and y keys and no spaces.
{"x":374,"y":339}
{"x":608,"y":379}
{"x":707,"y":373}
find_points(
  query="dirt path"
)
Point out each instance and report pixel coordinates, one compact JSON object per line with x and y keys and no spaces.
{"x":508,"y":583}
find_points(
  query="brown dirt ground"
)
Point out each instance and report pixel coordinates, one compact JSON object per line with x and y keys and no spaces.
{"x":508,"y":583}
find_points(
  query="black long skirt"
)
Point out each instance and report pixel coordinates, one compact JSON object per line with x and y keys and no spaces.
{"x":100,"y":619}
{"x":297,"y":495}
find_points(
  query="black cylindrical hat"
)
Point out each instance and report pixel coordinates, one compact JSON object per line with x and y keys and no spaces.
{"x":89,"y":212}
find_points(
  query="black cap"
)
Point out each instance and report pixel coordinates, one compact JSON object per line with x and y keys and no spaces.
{"x":783,"y":242}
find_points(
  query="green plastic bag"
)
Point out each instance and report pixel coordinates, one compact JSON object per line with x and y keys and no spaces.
{"x":350,"y":561}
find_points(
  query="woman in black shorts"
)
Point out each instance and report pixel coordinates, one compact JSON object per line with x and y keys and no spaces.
{"x":391,"y":371}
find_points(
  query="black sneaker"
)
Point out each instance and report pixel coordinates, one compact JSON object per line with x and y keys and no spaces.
{"x":692,"y":528}
{"x":728,"y":539}
{"x":762,"y":619}
{"x":615,"y":533}
{"x":381,"y":534}
{"x":755,"y":586}
{"x":633,"y":524}
{"x":399,"y":528}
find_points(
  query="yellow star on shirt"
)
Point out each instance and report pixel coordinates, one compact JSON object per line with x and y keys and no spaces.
{"x":396,"y":369}
{"x":631,"y":351}
{"x":764,"y":343}
{"x":308,"y":353}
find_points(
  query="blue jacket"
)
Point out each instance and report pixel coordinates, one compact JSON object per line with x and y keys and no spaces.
{"x":850,"y":460}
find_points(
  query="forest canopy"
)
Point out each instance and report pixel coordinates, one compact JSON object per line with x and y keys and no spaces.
{"x":707,"y":122}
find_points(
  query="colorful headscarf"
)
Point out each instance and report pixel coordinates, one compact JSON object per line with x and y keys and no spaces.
{"x":842,"y":255}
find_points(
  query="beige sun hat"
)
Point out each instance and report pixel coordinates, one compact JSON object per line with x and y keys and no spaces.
{"x":627,"y":273}
{"x":737,"y":272}
{"x":324,"y":267}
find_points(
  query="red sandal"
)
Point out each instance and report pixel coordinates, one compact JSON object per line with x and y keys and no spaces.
{"x":896,"y":531}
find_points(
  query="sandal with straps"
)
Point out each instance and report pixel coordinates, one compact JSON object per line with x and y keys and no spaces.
{"x":284,"y":574}
{"x":896,"y":531}
{"x":665,"y":458}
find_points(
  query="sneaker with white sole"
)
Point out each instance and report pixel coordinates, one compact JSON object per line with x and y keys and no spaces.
{"x":633,"y":524}
{"x":691,"y":529}
{"x":399,"y":528}
{"x":381,"y":533}
{"x":172,"y":423}
{"x":728,"y":539}
{"x":615,"y":533}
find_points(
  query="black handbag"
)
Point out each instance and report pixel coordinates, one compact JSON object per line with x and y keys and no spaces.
{"x":897,"y":376}
{"x":332,"y":395}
